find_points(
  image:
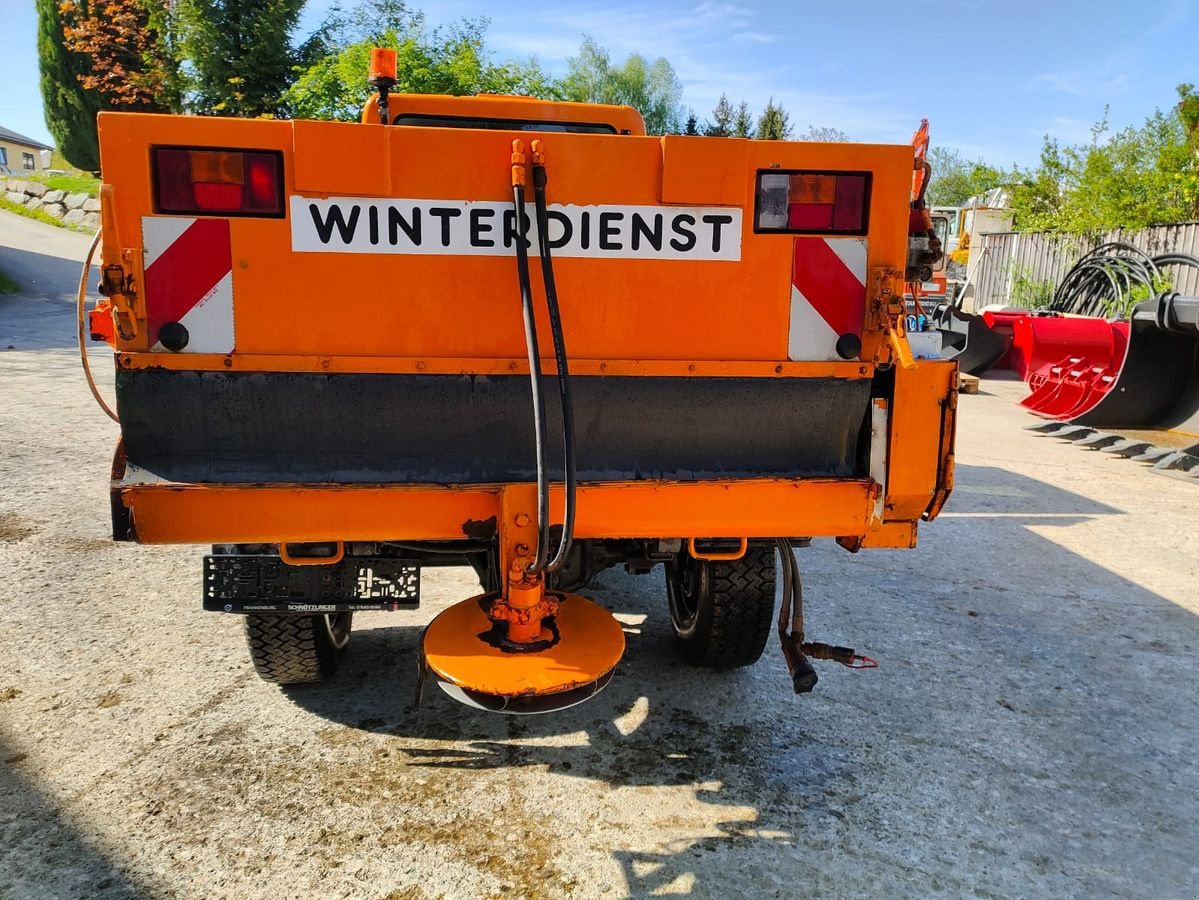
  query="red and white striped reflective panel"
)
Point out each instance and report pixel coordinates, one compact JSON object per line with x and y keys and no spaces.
{"x":828,"y":295}
{"x":189,"y":280}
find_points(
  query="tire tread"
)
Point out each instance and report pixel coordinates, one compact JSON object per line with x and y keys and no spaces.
{"x":285,"y":649}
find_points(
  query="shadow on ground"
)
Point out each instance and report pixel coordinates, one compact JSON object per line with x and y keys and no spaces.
{"x":1029,"y":733}
{"x":1014,"y":656}
{"x":32,"y":826}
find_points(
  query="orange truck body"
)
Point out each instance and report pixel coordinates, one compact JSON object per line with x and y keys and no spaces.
{"x":356,"y":369}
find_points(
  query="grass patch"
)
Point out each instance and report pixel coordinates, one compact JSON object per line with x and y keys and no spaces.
{"x":20,"y":210}
{"x":75,"y":183}
{"x":7,"y":285}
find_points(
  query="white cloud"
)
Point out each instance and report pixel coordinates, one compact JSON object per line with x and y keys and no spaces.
{"x":754,"y":37}
{"x":1088,"y":83}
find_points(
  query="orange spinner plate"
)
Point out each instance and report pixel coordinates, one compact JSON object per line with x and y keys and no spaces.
{"x":590,"y":645}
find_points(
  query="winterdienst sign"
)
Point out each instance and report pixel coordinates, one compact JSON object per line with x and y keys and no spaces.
{"x":485,"y":228}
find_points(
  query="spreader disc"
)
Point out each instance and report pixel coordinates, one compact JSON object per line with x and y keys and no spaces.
{"x":466,"y":652}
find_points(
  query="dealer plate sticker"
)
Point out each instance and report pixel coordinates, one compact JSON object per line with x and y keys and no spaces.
{"x":485,"y":228}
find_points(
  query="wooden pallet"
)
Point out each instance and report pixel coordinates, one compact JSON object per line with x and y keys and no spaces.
{"x":967,"y":384}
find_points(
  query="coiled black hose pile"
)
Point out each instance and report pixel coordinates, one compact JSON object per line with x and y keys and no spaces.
{"x":1113,"y":277}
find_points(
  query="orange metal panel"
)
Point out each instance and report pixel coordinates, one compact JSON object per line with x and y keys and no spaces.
{"x":508,"y":106}
{"x":193,"y":514}
{"x":414,"y":306}
{"x":760,"y":508}
{"x":892,"y":536}
{"x":331,"y":159}
{"x":198,"y":514}
{"x":243,"y":362}
{"x":924,"y":395}
{"x":695,"y":171}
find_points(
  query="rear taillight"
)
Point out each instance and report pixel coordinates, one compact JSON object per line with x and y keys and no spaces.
{"x":812,"y":202}
{"x":218,"y":182}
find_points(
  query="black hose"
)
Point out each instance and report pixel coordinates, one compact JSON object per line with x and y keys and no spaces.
{"x":791,"y":622}
{"x":526,"y":302}
{"x":785,"y":608}
{"x":1108,"y":280}
{"x":568,"y":416}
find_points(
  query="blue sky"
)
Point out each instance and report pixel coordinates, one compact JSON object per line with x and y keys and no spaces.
{"x":992,"y":76}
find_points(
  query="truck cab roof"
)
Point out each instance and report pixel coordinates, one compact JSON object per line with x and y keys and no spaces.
{"x":506,"y":112}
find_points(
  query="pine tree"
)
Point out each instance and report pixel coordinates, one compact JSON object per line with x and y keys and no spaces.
{"x":774,"y":124}
{"x":692,"y":126}
{"x":70,"y":110}
{"x":241,"y":54}
{"x":743,"y":123}
{"x":722,"y":119}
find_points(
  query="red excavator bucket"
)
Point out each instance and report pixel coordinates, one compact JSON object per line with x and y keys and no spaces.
{"x":1143,"y":373}
{"x":1068,"y":362}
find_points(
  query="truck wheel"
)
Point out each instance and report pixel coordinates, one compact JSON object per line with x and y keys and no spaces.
{"x":293,"y":649}
{"x":722,"y":612}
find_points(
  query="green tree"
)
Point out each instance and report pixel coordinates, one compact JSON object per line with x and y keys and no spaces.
{"x":1188,"y":113}
{"x":450,"y":60}
{"x":743,"y":122}
{"x":957,"y":179}
{"x":70,"y":110}
{"x":1138,"y":176}
{"x":692,"y":126}
{"x":722,"y":119}
{"x":240,"y":54}
{"x":824,"y":134}
{"x":774,"y":124}
{"x":652,"y":89}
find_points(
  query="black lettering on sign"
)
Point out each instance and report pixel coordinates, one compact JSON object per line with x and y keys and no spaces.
{"x":510,"y":228}
{"x":372,"y":218}
{"x":641,"y":229}
{"x":478,"y":228}
{"x":609,"y":228}
{"x":682,"y":226}
{"x":324,"y":230}
{"x":445,"y":213}
{"x":717,"y":222}
{"x":567,"y":228}
{"x":396,"y":222}
{"x":585,"y":231}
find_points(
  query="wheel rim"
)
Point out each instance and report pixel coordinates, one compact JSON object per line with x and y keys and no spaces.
{"x":338,"y":626}
{"x":686,"y":582}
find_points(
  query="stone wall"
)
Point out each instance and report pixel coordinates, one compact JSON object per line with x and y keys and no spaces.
{"x":79,"y":210}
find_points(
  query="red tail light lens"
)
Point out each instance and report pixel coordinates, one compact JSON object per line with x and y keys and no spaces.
{"x":218,"y":182}
{"x":795,"y":202}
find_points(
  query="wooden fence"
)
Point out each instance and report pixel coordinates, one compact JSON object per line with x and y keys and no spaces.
{"x":1042,"y":257}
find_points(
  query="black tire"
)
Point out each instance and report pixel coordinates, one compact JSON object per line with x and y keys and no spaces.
{"x":722,"y":612}
{"x":296,"y":649}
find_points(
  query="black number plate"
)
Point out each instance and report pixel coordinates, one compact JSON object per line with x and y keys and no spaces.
{"x":250,"y":583}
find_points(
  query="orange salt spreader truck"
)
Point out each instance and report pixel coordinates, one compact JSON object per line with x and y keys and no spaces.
{"x":324,"y":334}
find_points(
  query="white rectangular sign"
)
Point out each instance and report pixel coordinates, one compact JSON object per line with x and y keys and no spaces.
{"x":486,"y":228}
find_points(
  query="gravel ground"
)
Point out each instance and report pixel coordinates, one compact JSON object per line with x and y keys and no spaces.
{"x":1031,"y":731}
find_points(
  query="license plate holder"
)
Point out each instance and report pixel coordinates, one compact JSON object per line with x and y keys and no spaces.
{"x":254,"y":583}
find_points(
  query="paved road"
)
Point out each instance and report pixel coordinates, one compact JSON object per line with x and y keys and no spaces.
{"x":44,"y":260}
{"x":1031,"y":731}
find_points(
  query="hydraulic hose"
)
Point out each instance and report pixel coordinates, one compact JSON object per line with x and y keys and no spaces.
{"x":791,"y":624}
{"x":81,"y":323}
{"x":567,"y":406}
{"x":539,"y":427}
{"x":1112,"y":278}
